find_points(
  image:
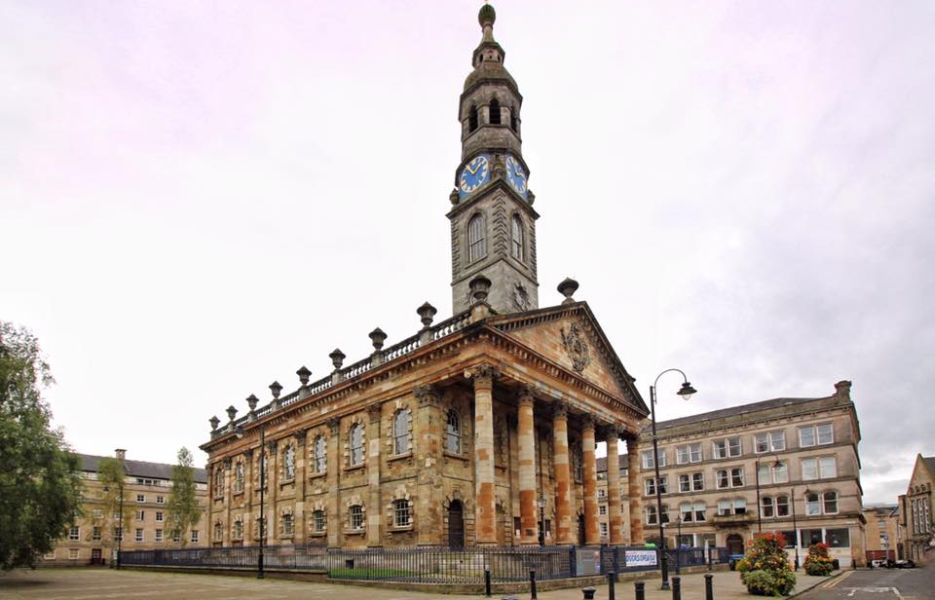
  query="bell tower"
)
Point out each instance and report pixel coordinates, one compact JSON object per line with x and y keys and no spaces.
{"x":493,"y":224}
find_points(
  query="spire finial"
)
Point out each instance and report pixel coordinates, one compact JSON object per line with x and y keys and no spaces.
{"x":486,"y":17}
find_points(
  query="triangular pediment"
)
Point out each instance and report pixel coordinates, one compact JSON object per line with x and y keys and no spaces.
{"x":570,"y":336}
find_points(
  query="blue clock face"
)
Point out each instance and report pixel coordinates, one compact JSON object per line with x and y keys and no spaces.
{"x":474,"y":174}
{"x":516,"y":175}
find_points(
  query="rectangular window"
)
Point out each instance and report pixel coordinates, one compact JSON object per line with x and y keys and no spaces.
{"x":158,"y":535}
{"x":74,"y":534}
{"x":158,"y":515}
{"x":789,"y":537}
{"x":811,"y":536}
{"x":96,"y":534}
{"x":140,"y":515}
{"x":736,"y":477}
{"x":690,"y":453}
{"x":769,"y":441}
{"x":825,"y":434}
{"x":160,"y":500}
{"x":723,"y":480}
{"x":685,"y":483}
{"x":809,"y":469}
{"x":697,"y":482}
{"x":97,"y":514}
{"x":740,"y":506}
{"x":723,"y":508}
{"x":602,"y":509}
{"x":838,"y":538}
{"x":827,"y":467}
{"x":728,"y":448}
{"x":651,"y":488}
{"x":700,"y":511}
{"x":357,"y":517}
{"x":140,"y":498}
{"x":139,"y":535}
{"x":73,"y":553}
{"x":812,"y":435}
{"x":603,"y":529}
{"x":118,"y":533}
{"x":194,"y":537}
{"x":320,"y":521}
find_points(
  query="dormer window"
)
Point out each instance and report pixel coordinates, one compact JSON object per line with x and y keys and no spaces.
{"x":494,"y":112}
{"x":472,"y":118}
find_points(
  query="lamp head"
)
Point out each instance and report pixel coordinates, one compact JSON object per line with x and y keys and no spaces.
{"x":686,"y":391}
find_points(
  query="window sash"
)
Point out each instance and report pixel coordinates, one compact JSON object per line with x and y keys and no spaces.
{"x":807,"y":436}
{"x":736,"y":477}
{"x":697,"y":482}
{"x":824,"y":434}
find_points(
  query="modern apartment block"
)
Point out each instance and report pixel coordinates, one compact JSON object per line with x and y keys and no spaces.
{"x":93,"y":538}
{"x":788,"y":464}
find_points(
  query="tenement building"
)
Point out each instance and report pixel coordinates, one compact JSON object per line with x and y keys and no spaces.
{"x":789,"y":465}
{"x":93,"y":538}
{"x":915,"y":508}
{"x":476,"y":430}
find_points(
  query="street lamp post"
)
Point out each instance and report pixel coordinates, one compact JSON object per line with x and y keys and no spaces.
{"x":678,"y":546}
{"x":686,"y":391}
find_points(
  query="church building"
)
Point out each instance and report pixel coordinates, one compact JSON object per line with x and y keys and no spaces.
{"x":479,"y":429}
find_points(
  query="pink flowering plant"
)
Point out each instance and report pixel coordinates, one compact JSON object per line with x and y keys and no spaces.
{"x":765,"y":569}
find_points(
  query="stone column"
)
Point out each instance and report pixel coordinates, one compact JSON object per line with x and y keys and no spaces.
{"x":228,"y":500}
{"x":301,"y":479}
{"x":485,"y":501}
{"x":592,"y":530}
{"x":527,"y":470}
{"x":333,"y":465}
{"x":374,"y":506}
{"x":614,"y":517}
{"x":563,"y":525}
{"x":428,"y":428}
{"x":634,"y":491}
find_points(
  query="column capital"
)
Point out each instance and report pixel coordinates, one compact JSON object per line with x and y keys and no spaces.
{"x":588,"y":422}
{"x":560,"y":409}
{"x":482,"y":373}
{"x":334,"y":425}
{"x":525,"y":395}
{"x":426,"y":395}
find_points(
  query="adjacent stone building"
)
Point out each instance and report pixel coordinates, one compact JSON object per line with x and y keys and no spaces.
{"x":883,"y":532}
{"x":789,"y":465}
{"x":915,"y":508}
{"x":92,"y":539}
{"x":478,"y":430}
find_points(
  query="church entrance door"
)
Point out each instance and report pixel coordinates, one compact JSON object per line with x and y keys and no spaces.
{"x":455,"y":525}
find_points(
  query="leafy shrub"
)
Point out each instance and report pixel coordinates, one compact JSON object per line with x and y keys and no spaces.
{"x":765,"y":569}
{"x":818,"y":562}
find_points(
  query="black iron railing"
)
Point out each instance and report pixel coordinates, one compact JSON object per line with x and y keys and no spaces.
{"x":424,"y":564}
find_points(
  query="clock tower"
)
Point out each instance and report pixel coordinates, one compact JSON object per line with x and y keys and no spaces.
{"x":493,"y":224}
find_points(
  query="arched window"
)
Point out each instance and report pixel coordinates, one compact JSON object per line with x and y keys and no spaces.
{"x":238,"y":529}
{"x":356,"y":517}
{"x":518,"y":238}
{"x":766,"y":506}
{"x":320,"y":449}
{"x":453,"y":439}
{"x":477,"y":238}
{"x":472,"y":118}
{"x":357,"y":444}
{"x":831,"y":503}
{"x":812,"y":504}
{"x":288,"y":463}
{"x":494,"y":112}
{"x":402,"y":439}
{"x":402,"y":515}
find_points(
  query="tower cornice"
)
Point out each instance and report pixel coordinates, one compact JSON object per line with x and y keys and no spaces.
{"x":486,"y":191}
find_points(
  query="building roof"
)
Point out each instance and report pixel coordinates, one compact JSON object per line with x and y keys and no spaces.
{"x":602,"y":464}
{"x":733,"y":411}
{"x":929,"y":463}
{"x":139,"y":468}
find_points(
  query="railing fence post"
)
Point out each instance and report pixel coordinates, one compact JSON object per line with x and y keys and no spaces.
{"x":532,"y":584}
{"x":487,"y":582}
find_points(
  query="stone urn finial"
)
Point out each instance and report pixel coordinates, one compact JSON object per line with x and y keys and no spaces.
{"x":337,"y":358}
{"x":567,"y":288}
{"x":231,"y":412}
{"x":427,"y":313}
{"x":252,"y":401}
{"x":377,"y":337}
{"x":214,"y":423}
{"x":275,"y":388}
{"x":480,"y":288}
{"x":303,"y":374}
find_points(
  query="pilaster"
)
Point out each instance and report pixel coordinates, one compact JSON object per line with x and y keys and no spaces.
{"x":429,"y":427}
{"x":333,"y":461}
{"x":374,"y":506}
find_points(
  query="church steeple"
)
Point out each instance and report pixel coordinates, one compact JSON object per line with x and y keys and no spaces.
{"x":492,"y":221}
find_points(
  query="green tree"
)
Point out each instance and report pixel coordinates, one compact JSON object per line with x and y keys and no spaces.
{"x":113,"y":501}
{"x":40,"y":485}
{"x":183,"y":510}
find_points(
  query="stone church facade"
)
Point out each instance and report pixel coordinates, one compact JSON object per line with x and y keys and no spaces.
{"x":477,"y":430}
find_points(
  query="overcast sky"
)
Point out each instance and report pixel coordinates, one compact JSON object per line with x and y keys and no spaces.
{"x":197,"y":198}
